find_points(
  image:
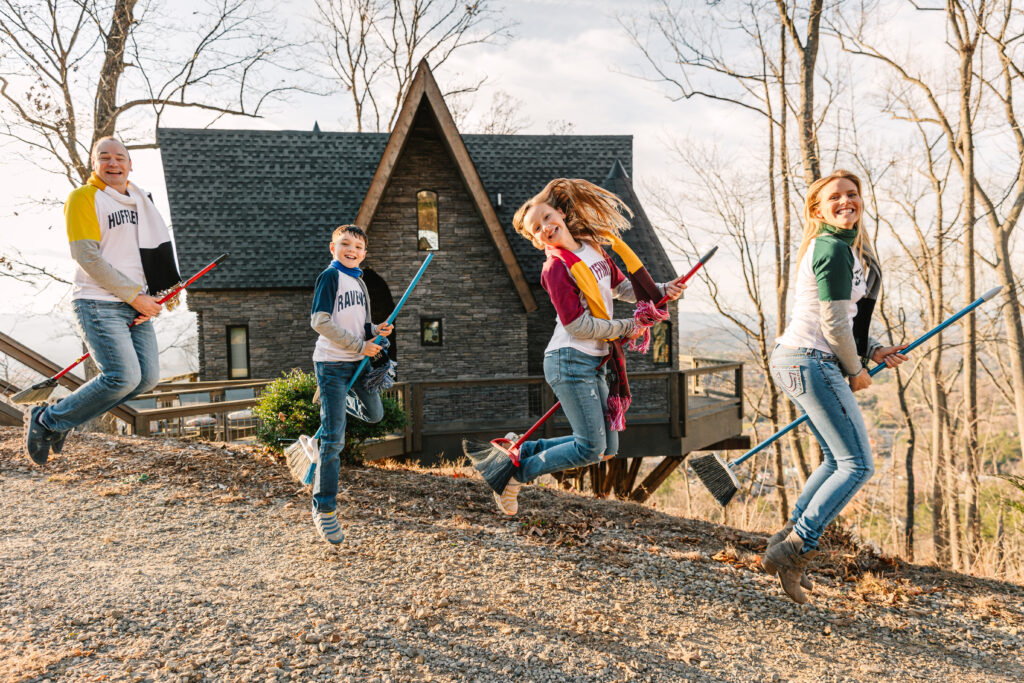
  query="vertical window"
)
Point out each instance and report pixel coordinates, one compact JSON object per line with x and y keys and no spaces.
{"x":661,"y":343}
{"x":430,"y":332}
{"x":426,"y":219}
{"x":238,"y":351}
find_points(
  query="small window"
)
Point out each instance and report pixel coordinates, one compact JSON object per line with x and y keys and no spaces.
{"x":238,"y":351}
{"x":430,"y":332}
{"x":661,"y":343}
{"x":426,"y":218}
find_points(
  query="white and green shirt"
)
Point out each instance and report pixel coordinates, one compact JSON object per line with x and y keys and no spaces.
{"x":835,"y":295}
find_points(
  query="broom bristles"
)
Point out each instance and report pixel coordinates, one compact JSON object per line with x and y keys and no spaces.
{"x":301,"y":457}
{"x":37,"y":393}
{"x":716,"y":476}
{"x":492,"y":462}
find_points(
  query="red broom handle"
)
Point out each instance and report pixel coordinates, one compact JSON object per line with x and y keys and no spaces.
{"x":164,"y":299}
{"x":551,"y":411}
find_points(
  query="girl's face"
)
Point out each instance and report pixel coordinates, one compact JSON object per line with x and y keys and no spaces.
{"x":546,"y":226}
{"x":839,"y":204}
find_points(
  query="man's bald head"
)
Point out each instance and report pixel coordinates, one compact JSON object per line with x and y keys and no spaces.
{"x":111,"y":162}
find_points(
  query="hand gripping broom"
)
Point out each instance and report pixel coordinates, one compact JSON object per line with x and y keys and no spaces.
{"x":493,"y":459}
{"x":303,"y":455}
{"x":37,"y":393}
{"x":718,"y":476}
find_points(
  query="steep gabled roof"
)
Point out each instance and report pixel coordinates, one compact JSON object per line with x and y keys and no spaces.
{"x":425,"y":99}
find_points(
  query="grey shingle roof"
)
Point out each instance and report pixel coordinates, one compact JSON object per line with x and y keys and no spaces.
{"x":272,"y":197}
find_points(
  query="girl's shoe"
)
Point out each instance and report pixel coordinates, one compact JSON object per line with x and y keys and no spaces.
{"x":789,"y":562}
{"x":327,"y":526}
{"x":508,"y":500}
{"x":776,"y":538}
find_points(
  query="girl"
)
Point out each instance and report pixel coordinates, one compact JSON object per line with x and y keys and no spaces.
{"x":570,"y":220}
{"x":825,"y":344}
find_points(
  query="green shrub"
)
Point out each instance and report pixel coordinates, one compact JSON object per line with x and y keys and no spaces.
{"x":1017,"y":482}
{"x":286,"y":410}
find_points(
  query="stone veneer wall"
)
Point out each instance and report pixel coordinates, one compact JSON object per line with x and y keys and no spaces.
{"x":466,"y":285}
{"x":280,"y":337}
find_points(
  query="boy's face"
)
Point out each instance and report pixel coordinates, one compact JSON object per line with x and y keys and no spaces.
{"x":349,"y":249}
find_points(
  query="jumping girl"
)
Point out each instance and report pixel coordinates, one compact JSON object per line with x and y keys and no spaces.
{"x":819,"y":361}
{"x":571,"y":220}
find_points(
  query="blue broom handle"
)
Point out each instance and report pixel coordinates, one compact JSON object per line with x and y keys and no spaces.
{"x":873,"y":371}
{"x":394,"y":314}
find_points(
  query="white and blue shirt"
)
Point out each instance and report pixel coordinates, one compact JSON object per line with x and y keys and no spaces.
{"x":345,"y":299}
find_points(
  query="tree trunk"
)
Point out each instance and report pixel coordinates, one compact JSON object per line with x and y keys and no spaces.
{"x":105,"y":112}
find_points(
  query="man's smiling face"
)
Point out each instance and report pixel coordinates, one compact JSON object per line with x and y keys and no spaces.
{"x":111,"y":163}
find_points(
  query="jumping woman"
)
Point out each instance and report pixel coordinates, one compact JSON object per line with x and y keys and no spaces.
{"x":820,"y":361}
{"x":571,"y":220}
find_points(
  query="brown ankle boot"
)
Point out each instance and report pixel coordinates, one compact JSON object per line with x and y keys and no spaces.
{"x":776,"y":538}
{"x":790,"y":562}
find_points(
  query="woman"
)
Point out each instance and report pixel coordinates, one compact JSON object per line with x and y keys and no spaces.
{"x":819,"y":362}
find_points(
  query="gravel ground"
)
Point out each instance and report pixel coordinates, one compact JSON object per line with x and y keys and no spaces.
{"x":134,"y":559}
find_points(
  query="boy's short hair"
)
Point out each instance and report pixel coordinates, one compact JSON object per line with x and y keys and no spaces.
{"x":352,"y":230}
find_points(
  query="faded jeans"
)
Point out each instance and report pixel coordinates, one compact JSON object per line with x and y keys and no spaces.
{"x":335,"y":406}
{"x":581,"y":387}
{"x":127,"y":358}
{"x":813,"y":380}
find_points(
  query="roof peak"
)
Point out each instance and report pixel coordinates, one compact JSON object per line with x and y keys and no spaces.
{"x":617,"y":171}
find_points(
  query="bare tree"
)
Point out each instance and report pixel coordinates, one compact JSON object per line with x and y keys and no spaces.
{"x":73,"y":71}
{"x":505,"y":116}
{"x":372,"y":47}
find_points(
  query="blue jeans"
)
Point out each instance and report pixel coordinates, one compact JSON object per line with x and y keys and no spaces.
{"x":813,"y":380}
{"x":127,"y":357}
{"x":335,"y":406}
{"x":581,"y":387}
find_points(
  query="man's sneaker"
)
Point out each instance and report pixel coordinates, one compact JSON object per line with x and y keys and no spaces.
{"x":57,"y":440}
{"x":37,"y":437}
{"x":508,"y":500}
{"x":327,"y":526}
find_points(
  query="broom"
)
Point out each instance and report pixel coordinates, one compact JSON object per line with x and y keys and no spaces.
{"x":492,"y":459}
{"x":37,"y":393}
{"x":303,"y":455}
{"x":718,"y":476}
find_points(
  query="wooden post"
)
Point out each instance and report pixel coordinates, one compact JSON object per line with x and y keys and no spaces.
{"x":630,"y":478}
{"x":547,"y":399}
{"x":739,"y":391}
{"x":417,"y":417}
{"x":407,"y":433}
{"x":674,"y":428}
{"x":684,"y":402}
{"x":656,"y":478}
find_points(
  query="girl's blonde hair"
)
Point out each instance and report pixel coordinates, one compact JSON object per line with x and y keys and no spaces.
{"x":812,"y":224}
{"x":592,"y":213}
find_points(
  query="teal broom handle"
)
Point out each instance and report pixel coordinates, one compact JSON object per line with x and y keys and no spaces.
{"x":394,"y":314}
{"x":874,"y":371}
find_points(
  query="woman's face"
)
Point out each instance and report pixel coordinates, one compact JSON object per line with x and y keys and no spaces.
{"x":839,"y":204}
{"x":546,"y":226}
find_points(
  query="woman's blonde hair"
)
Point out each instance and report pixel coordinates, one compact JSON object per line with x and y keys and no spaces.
{"x":592,"y":213}
{"x":812,"y":224}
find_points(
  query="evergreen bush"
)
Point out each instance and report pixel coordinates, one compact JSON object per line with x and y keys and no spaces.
{"x":285,"y":410}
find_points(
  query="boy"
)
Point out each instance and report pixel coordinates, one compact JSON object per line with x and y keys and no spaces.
{"x":341,"y":309}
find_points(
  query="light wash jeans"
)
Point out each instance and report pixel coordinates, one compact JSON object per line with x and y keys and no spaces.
{"x":581,"y":387}
{"x":813,"y":380}
{"x":335,"y":406}
{"x":127,"y":357}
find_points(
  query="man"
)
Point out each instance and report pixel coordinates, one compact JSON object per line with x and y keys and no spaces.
{"x":124,"y":256}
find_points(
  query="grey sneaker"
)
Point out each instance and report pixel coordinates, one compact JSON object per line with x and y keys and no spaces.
{"x":57,"y":440}
{"x":327,"y":526}
{"x":508,"y":500}
{"x":776,"y":538}
{"x":790,"y":563}
{"x":37,"y":437}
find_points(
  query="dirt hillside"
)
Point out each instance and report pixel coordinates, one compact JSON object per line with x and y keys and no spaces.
{"x":132,"y":559}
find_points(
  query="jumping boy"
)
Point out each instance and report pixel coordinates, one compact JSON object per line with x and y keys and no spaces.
{"x":341,"y":312}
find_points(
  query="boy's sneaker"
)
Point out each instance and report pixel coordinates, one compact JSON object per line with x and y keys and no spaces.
{"x":37,"y":437}
{"x":508,"y":500}
{"x":327,"y":526}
